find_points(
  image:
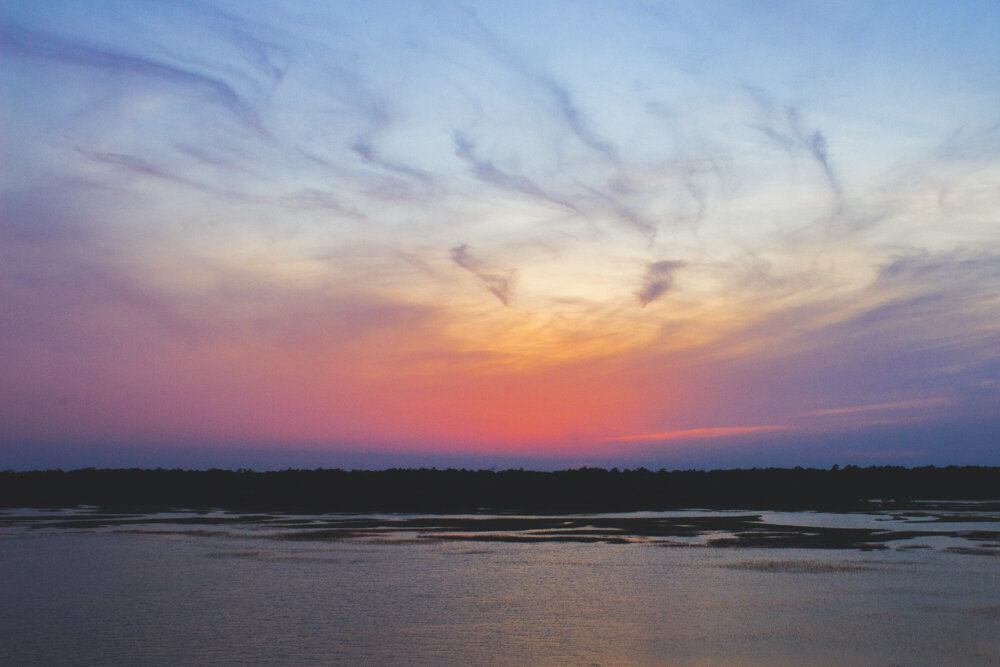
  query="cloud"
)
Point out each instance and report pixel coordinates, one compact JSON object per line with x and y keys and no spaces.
{"x":498,"y":283}
{"x":143,"y":168}
{"x":62,"y":281}
{"x":351,"y":89}
{"x":32,"y":44}
{"x":705,"y":433}
{"x":882,"y":407}
{"x":786,"y":131}
{"x":364,"y":149}
{"x":210,"y":157}
{"x":67,"y":292}
{"x":568,"y":111}
{"x":267,"y":55}
{"x":571,"y":114}
{"x":487,"y":172}
{"x":771,"y":124}
{"x":320,"y":200}
{"x":815,"y":142}
{"x":617,"y":202}
{"x":922,"y":311}
{"x":940,"y":271}
{"x":659,"y":280}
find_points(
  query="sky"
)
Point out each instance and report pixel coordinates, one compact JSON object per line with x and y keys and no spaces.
{"x":520,"y":234}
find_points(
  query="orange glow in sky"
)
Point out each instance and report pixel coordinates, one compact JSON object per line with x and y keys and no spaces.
{"x":587,"y":233}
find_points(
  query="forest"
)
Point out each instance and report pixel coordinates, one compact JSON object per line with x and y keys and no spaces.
{"x":451,"y":490}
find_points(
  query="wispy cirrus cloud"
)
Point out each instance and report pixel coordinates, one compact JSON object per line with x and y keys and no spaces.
{"x":488,"y":172}
{"x":658,"y":281}
{"x":498,"y":282}
{"x":144,"y":168}
{"x":312,"y":199}
{"x":567,"y":109}
{"x":784,"y":128}
{"x":26,"y":43}
{"x":815,"y":142}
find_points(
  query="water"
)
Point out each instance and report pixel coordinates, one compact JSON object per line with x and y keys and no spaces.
{"x":81,"y":587}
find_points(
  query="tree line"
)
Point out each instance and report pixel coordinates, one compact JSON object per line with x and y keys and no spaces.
{"x":451,"y":490}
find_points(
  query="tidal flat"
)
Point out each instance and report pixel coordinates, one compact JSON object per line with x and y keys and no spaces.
{"x":918,"y":584}
{"x":972,"y":527}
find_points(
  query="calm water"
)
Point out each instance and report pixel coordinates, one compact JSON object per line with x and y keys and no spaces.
{"x":80,"y":587}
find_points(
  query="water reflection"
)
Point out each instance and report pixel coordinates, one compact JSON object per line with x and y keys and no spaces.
{"x":110,"y":588}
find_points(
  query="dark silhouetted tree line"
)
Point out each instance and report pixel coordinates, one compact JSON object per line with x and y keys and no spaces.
{"x":432,"y":490}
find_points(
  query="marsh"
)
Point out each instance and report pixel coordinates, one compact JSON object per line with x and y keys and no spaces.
{"x":86,"y":586}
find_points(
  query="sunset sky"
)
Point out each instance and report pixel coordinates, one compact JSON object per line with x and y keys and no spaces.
{"x":538,"y":234}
